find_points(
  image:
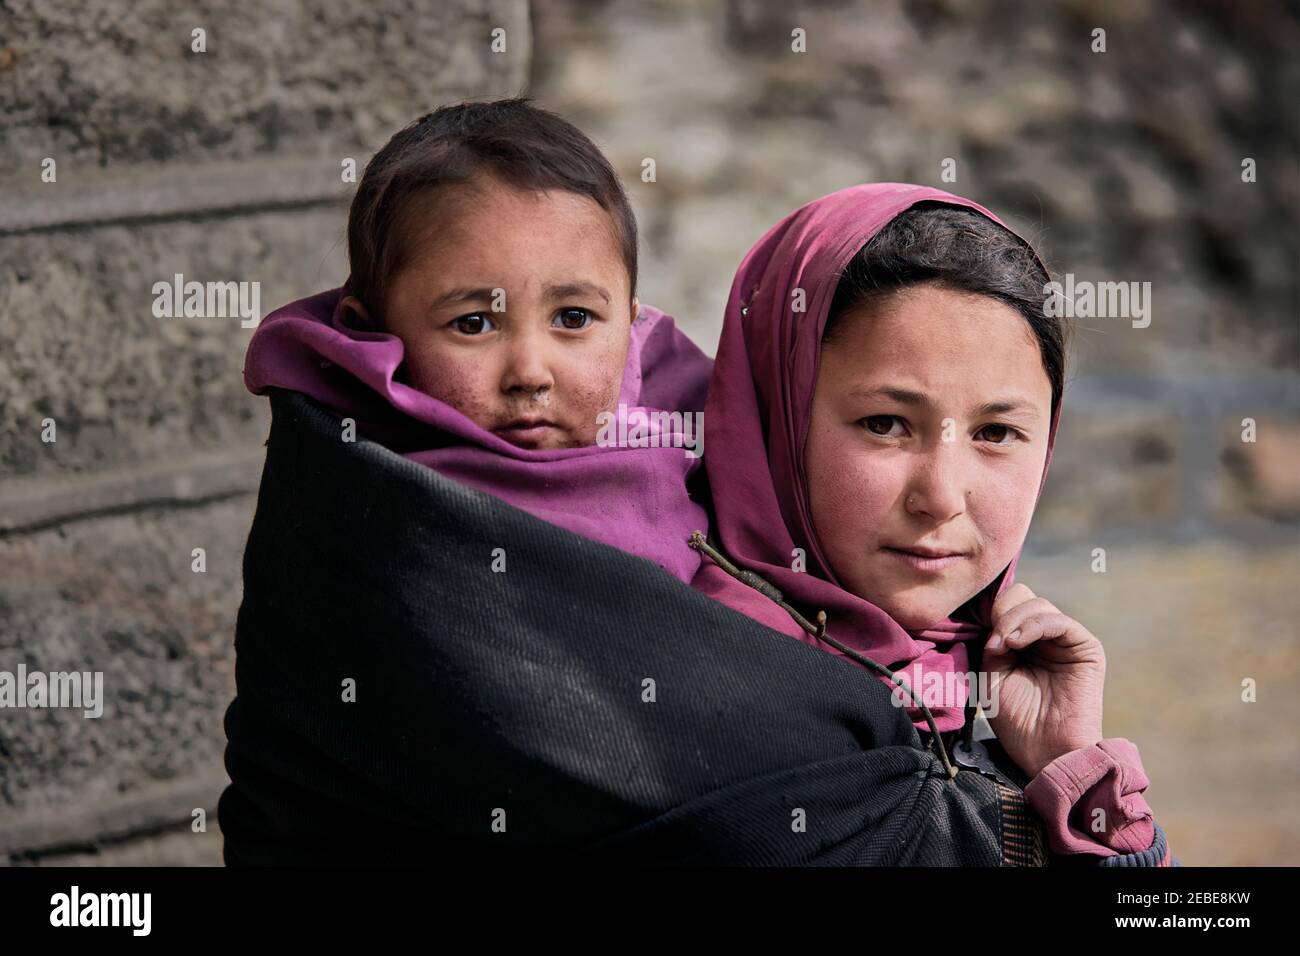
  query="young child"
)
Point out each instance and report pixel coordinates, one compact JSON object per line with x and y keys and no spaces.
{"x":490,"y":328}
{"x":496,"y":242}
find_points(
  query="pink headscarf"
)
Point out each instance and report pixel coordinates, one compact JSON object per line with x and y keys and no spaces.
{"x":633,"y":498}
{"x":757,"y":413}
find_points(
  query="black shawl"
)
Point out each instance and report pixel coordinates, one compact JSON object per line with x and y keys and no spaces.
{"x":507,"y":716}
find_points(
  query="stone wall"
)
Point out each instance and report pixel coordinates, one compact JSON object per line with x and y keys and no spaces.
{"x":223,"y":165}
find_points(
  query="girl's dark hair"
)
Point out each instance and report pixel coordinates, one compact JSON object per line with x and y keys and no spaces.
{"x":964,"y":251}
{"x":518,"y":143}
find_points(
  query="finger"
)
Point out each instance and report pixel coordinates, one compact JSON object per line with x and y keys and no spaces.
{"x":1015,"y":617}
{"x":1056,"y":626}
{"x":1012,"y":596}
{"x":995,"y":659}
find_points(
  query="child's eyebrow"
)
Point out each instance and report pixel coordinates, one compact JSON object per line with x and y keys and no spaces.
{"x":552,"y":291}
{"x":484,"y":294}
{"x":568,"y":290}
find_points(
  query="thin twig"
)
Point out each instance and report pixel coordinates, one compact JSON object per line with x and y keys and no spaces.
{"x":764,"y":587}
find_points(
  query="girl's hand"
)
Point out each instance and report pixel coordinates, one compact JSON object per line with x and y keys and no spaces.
{"x":1047,"y":672}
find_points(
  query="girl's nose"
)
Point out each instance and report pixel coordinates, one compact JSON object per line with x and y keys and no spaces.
{"x":937,"y":488}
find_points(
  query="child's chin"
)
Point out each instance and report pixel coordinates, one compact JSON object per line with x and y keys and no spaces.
{"x":552,"y":438}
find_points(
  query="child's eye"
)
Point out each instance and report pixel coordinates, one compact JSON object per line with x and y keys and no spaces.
{"x":475,"y":324}
{"x":574,"y":319}
{"x":1007,"y":430}
{"x":871,"y":421}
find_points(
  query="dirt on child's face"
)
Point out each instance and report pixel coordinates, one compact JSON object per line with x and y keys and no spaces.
{"x":516,"y":311}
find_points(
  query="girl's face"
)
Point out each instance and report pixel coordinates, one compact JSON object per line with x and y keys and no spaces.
{"x":928,"y":433}
{"x":516,"y":311}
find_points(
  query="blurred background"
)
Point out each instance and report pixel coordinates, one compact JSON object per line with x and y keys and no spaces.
{"x":1172,"y":158}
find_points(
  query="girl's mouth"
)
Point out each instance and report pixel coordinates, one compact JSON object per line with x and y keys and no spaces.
{"x":922,"y":562}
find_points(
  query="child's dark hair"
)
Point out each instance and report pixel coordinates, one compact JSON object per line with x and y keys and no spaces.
{"x":959,"y":249}
{"x":518,"y":143}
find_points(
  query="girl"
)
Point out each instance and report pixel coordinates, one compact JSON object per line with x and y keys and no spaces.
{"x":881,"y":414}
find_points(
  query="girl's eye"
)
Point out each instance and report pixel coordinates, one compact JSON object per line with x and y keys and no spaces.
{"x":574,"y":319}
{"x":871,"y":422}
{"x":475,"y":324}
{"x":1010,"y":433}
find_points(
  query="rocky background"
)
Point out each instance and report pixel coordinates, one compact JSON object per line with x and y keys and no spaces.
{"x":1123,"y":165}
{"x":224,"y":165}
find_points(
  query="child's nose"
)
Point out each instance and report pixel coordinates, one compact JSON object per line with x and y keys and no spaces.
{"x":526,"y":368}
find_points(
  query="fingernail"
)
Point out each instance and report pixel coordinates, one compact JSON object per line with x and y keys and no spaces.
{"x":1012,"y":636}
{"x":994,"y":642}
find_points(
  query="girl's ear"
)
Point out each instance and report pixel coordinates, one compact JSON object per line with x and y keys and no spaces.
{"x":355,"y":312}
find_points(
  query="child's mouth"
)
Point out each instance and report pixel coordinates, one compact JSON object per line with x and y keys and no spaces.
{"x":925,"y":562}
{"x":527,"y":432}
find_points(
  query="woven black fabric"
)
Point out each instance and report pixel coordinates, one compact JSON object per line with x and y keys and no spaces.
{"x":479,"y":692}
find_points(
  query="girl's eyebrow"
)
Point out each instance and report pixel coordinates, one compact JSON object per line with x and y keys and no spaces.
{"x":906,"y":396}
{"x":901,"y":395}
{"x":1007,"y":405}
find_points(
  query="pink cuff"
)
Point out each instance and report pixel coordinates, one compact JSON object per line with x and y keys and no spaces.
{"x":1106,"y":776}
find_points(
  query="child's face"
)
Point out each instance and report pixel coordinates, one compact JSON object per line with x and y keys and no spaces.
{"x":539,"y":371}
{"x":885,"y":473}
